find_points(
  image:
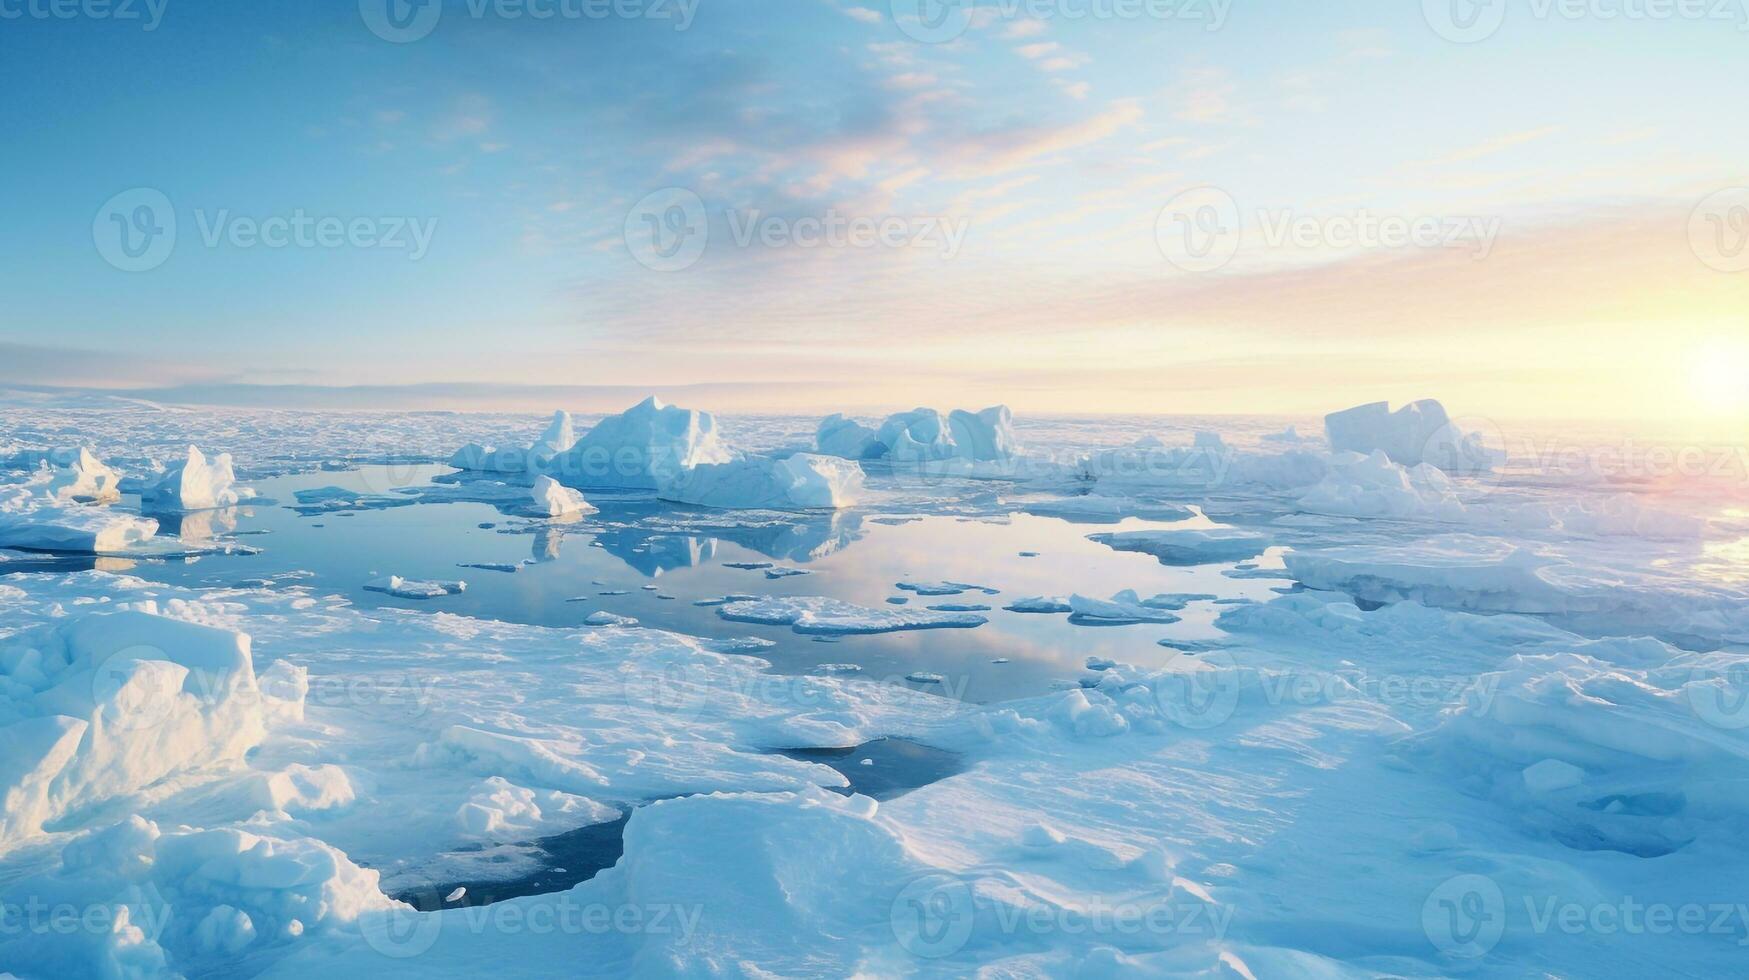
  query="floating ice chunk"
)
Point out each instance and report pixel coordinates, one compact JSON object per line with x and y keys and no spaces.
{"x":924,"y":677}
{"x":787,"y":572}
{"x":805,"y":481}
{"x":1100,"y":509}
{"x":1289,"y":435}
{"x":498,"y":809}
{"x":1188,"y":546}
{"x":551,"y":499}
{"x":826,"y":616}
{"x":1419,"y":432}
{"x":602,"y":617}
{"x":193,"y":484}
{"x":102,"y":705}
{"x":1040,"y":604}
{"x":1124,"y":607}
{"x":32,"y":520}
{"x":945,"y":588}
{"x":641,"y":448}
{"x":412,"y":588}
{"x":840,"y":436}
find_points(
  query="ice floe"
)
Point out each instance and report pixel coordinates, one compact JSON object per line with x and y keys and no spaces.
{"x":805,"y":481}
{"x":412,"y":588}
{"x":1188,"y":546}
{"x":828,"y":616}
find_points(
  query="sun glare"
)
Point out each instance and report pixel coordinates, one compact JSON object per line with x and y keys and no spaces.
{"x":1719,"y":378}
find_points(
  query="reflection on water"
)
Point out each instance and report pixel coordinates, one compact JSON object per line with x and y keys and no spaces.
{"x":599,"y":562}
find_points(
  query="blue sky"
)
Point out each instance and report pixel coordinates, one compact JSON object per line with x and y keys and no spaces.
{"x":1053,"y":142}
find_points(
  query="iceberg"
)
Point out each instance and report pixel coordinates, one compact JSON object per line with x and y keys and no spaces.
{"x":847,"y":438}
{"x":805,"y":481}
{"x":924,"y":435}
{"x":551,"y":499}
{"x":106,"y":704}
{"x":641,"y":448}
{"x":1419,"y":432}
{"x":193,"y":484}
{"x":84,"y":477}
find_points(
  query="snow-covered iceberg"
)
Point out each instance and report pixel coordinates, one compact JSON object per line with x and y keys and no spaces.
{"x":1419,"y":432}
{"x":193,"y":484}
{"x":805,"y":481}
{"x":103,"y":705}
{"x":1373,"y":486}
{"x":641,"y":448}
{"x":84,"y":477}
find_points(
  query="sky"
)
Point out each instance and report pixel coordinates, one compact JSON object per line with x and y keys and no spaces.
{"x":1526,"y":208}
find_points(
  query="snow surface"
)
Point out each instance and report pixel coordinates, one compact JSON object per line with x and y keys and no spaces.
{"x":1498,"y":729}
